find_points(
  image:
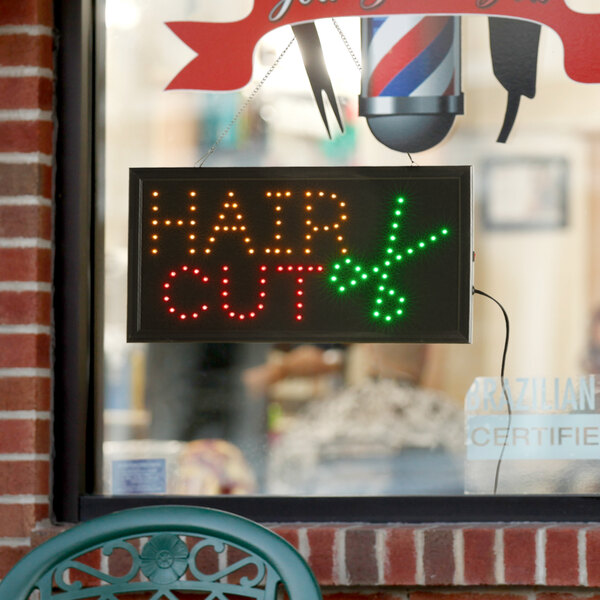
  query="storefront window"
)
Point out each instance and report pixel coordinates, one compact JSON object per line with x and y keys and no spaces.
{"x":329,"y":419}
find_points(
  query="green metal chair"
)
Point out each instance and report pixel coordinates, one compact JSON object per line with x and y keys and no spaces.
{"x":167,"y":549}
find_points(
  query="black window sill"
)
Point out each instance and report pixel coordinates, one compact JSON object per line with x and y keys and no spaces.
{"x":371,"y":509}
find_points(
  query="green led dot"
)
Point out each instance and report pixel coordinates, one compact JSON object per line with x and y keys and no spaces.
{"x":381,"y":288}
{"x":376,"y":313}
{"x":379,"y":300}
{"x":400,"y":200}
{"x":342,"y":288}
{"x":398,"y":213}
{"x":433,"y":238}
{"x":388,"y":318}
{"x":384,"y":276}
{"x":387,"y":263}
{"x":398,"y":256}
{"x":421,"y":244}
{"x":390,"y":250}
{"x":444,"y":231}
{"x":392,"y":292}
{"x":402,"y":299}
{"x":395,"y":225}
{"x":375,"y":269}
{"x":357,"y":268}
{"x":410,"y":250}
{"x":348,"y":261}
{"x":399,"y":311}
{"x":333,"y":278}
{"x":353,"y":282}
{"x":364,"y":276}
{"x":392,"y":238}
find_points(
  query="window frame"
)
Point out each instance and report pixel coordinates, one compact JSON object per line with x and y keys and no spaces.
{"x":77,"y":340}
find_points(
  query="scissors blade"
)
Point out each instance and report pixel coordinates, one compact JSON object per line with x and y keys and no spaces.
{"x":318,"y":76}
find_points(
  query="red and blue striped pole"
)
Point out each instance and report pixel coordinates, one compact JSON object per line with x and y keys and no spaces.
{"x":411,"y":79}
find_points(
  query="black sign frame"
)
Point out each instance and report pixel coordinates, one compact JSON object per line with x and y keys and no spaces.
{"x":428,"y":187}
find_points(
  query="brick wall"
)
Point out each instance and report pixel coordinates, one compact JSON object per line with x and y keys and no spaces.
{"x":26,"y":129}
{"x":466,"y":556}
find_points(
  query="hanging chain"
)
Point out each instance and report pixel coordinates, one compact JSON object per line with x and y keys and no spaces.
{"x":242,"y":108}
{"x":347,"y":44}
{"x":255,"y":91}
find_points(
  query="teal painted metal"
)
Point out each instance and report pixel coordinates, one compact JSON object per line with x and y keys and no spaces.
{"x":168,"y":564}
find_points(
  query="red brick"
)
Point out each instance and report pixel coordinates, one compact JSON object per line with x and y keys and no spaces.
{"x":26,"y":221}
{"x":26,"y":50}
{"x":593,"y":557}
{"x":235,"y":555}
{"x":25,"y":92}
{"x":361,"y":557}
{"x":321,"y":558}
{"x":25,"y":393}
{"x":361,"y":595}
{"x":438,"y":556}
{"x":26,"y":12}
{"x":25,"y":264}
{"x":46,"y":532}
{"x":22,"y":308}
{"x":24,"y":436}
{"x":27,"y":350}
{"x":560,"y":596}
{"x":91,"y":559}
{"x":562,"y":559}
{"x":25,"y":180}
{"x":479,"y":556}
{"x":207,"y":559}
{"x":119,"y":562}
{"x":25,"y":477}
{"x":289,"y":534}
{"x":519,"y":555}
{"x":467,"y":596}
{"x":9,"y":556}
{"x":26,"y":136}
{"x":18,"y":520}
{"x":401,"y":557}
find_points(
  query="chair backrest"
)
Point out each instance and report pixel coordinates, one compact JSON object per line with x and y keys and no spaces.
{"x":167,"y":550}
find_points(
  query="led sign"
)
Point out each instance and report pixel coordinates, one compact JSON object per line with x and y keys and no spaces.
{"x":300,"y":254}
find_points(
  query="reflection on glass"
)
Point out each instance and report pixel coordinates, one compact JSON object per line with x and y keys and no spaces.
{"x":383,"y":435}
{"x":252,"y":418}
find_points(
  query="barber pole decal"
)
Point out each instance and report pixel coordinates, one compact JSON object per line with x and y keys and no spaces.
{"x":412,"y":56}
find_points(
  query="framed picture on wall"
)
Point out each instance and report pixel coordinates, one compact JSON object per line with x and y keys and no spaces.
{"x":524,"y":193}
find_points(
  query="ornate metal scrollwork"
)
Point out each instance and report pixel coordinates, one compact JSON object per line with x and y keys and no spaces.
{"x":219,"y":547}
{"x":74,"y":564}
{"x":166,"y":564}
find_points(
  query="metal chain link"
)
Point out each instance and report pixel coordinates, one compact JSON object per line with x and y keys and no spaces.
{"x":242,"y":108}
{"x":254,"y":92}
{"x":347,"y":44}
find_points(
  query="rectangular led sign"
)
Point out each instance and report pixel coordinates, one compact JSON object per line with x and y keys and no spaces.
{"x":300,"y":254}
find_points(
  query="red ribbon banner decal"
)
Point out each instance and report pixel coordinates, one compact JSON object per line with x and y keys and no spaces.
{"x":225,"y":50}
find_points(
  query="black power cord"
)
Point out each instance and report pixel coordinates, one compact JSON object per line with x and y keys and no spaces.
{"x":508,"y":406}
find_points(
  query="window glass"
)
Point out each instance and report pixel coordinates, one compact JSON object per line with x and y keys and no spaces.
{"x":331,"y":419}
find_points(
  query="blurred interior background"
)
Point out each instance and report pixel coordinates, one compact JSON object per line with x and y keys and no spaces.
{"x":537,"y":243}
